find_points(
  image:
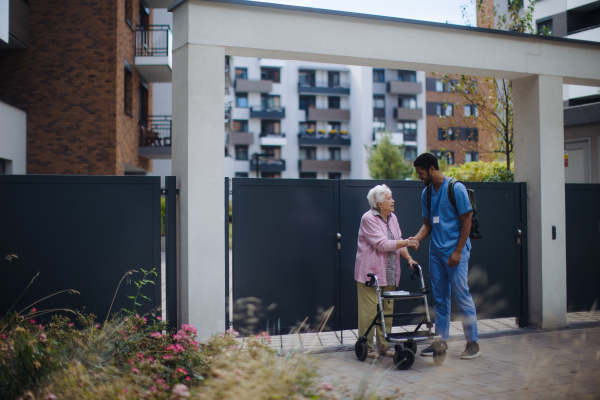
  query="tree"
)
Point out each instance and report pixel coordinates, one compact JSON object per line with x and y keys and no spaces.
{"x":491,"y":97}
{"x":386,"y":160}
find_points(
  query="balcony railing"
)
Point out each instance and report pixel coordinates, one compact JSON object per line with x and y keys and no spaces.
{"x":268,"y":165}
{"x":327,"y":114}
{"x":269,"y":113}
{"x":401,"y":87}
{"x":324,"y":166}
{"x":320,"y":139}
{"x":227,"y":113}
{"x":409,"y":114}
{"x":152,"y":41}
{"x":272,"y":139}
{"x":156,"y":131}
{"x":312,"y":87}
{"x":247,"y":85}
{"x":410,"y":137}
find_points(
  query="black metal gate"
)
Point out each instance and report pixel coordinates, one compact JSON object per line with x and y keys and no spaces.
{"x":79,"y":232}
{"x":286,"y":248}
{"x":583,"y":246}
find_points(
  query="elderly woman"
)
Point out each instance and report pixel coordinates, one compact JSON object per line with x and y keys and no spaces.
{"x":380,"y":246}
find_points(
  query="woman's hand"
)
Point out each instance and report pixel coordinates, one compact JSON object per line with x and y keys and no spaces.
{"x":412,"y":263}
{"x":413,"y":244}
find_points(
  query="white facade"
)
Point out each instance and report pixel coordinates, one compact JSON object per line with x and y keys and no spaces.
{"x":13,"y":140}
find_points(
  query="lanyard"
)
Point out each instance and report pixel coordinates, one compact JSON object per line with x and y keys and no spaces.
{"x":440,"y":192}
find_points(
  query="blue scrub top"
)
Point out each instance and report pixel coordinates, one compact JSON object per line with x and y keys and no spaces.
{"x":444,"y":236}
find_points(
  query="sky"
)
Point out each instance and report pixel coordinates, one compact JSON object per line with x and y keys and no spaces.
{"x":426,"y":10}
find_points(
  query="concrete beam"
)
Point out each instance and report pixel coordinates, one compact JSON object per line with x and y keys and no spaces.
{"x":539,"y":146}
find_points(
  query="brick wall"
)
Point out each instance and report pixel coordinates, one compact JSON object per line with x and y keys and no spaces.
{"x":69,"y":81}
{"x":484,"y":146}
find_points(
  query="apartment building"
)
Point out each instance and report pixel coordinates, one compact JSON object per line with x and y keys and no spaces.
{"x":83,"y":73}
{"x":576,"y":19}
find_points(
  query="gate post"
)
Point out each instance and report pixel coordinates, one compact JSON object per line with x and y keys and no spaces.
{"x":171,"y":250}
{"x":198,"y":164}
{"x":538,"y":144}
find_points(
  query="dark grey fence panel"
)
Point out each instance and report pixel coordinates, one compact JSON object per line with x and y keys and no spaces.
{"x":495,"y":266}
{"x":583,"y":246}
{"x":284,"y":248}
{"x":79,"y":232}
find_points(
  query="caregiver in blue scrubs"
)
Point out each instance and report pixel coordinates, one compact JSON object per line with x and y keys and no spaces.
{"x":449,"y":252}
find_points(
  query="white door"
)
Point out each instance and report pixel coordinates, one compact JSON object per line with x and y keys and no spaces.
{"x":578,"y":169}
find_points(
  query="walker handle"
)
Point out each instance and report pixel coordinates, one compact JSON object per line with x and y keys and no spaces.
{"x":417,"y":273}
{"x":371,"y":282}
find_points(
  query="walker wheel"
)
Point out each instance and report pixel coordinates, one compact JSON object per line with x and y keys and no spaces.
{"x":439,"y":354}
{"x":412,"y":346}
{"x":361,"y":350}
{"x":404,"y":359}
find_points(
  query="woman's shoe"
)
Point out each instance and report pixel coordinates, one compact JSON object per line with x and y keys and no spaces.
{"x":386,"y":352}
{"x":372,"y":354}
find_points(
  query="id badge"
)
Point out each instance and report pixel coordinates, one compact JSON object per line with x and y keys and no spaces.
{"x":436,"y":219}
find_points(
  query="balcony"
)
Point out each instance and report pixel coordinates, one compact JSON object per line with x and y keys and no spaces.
{"x":401,"y":87}
{"x":153,"y":56}
{"x":252,"y":86}
{"x":241,"y":138}
{"x":327,"y":114}
{"x":324,"y":166}
{"x":328,"y":139}
{"x":267,"y":165}
{"x":228,"y":113}
{"x":408,"y":114}
{"x":272,"y":139}
{"x":324,"y":88}
{"x":155,"y":137}
{"x":268,"y":113}
{"x":15,"y":24}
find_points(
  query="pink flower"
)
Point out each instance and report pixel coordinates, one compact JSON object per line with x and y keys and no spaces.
{"x":137,"y":315}
{"x":33,"y":310}
{"x":189,"y":329}
{"x":3,"y":336}
{"x":141,"y":355}
{"x":125,"y":391}
{"x":43,"y":337}
{"x":167,"y":356}
{"x":187,"y":378}
{"x":150,"y":358}
{"x":181,"y":370}
{"x":131,"y":362}
{"x":326,"y":386}
{"x":232,"y":332}
{"x":181,"y":390}
{"x":41,"y":326}
{"x":32,"y":321}
{"x":97,"y":325}
{"x":145,"y":320}
{"x":153,"y":389}
{"x":135,"y":370}
{"x":50,"y":396}
{"x":71,"y":324}
{"x":159,"y":318}
{"x":156,"y":335}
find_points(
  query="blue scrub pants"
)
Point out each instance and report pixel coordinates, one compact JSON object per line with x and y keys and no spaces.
{"x":446,"y":280}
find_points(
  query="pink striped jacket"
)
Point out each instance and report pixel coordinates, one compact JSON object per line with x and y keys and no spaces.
{"x":373,"y":243}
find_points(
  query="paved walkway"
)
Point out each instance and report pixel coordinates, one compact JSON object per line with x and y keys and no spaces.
{"x":522,"y":364}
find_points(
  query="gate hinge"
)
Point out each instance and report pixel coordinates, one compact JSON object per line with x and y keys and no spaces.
{"x":165,"y":191}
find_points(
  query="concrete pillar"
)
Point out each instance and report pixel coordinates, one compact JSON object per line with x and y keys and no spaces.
{"x":198,"y":164}
{"x":538,"y":143}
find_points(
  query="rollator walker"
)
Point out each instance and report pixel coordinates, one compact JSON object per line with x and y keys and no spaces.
{"x":405,"y":342}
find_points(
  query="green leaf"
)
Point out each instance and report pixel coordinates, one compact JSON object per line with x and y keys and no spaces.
{"x":131,"y":297}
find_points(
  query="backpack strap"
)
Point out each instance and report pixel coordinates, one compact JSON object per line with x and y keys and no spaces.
{"x":451,"y":193}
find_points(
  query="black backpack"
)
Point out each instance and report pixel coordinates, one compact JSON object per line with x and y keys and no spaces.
{"x":474,"y":234}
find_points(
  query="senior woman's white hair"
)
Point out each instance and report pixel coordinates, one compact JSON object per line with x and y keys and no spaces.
{"x":377,"y":195}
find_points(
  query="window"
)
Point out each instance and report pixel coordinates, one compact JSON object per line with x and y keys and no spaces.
{"x":378,"y":101}
{"x":241,"y":73}
{"x":272,"y":152}
{"x":447,"y":156}
{"x":378,"y":127}
{"x":334,"y":126}
{"x":143,"y":104}
{"x":471,"y":110}
{"x":270,"y":102}
{"x":270,"y":74}
{"x":470,"y":134}
{"x":306,"y":77}
{"x":335,"y":175}
{"x":333,"y":79}
{"x":308,"y":175}
{"x":307,"y":102}
{"x":444,"y":109}
{"x":241,"y":152}
{"x":410,"y":153}
{"x":409,"y":129}
{"x":304,"y":127}
{"x":240,"y":125}
{"x":307,"y":153}
{"x":378,"y":75}
{"x":446,"y":134}
{"x":333,"y":102}
{"x":471,"y":156}
{"x":271,"y":127}
{"x":128,"y":87}
{"x":407,"y":76}
{"x":407,"y":102}
{"x":335,"y":154}
{"x":241,"y":174}
{"x":439,"y":86}
{"x":241,"y":100}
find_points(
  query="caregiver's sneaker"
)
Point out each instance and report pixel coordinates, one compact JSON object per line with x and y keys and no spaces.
{"x":471,"y":351}
{"x":428,"y":352}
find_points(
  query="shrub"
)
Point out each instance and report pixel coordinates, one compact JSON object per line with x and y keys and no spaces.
{"x":481,"y":172}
